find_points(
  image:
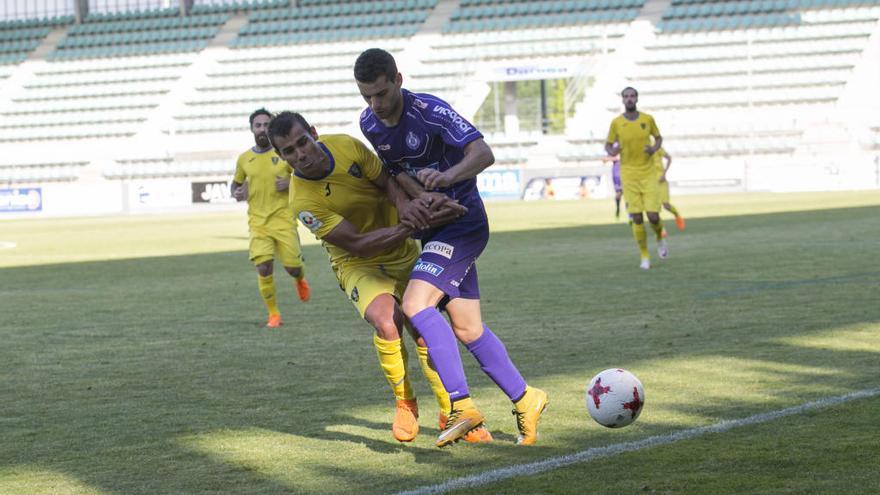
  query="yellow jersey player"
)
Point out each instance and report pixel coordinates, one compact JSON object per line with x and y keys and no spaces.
{"x":270,"y":220}
{"x":660,"y":157}
{"x":632,"y":133}
{"x":341,"y":194}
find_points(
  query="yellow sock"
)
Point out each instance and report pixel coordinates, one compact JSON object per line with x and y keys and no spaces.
{"x":392,"y":360}
{"x":267,"y":291}
{"x":641,"y":239}
{"x":434,"y":379}
{"x":672,"y":209}
{"x":658,"y":229}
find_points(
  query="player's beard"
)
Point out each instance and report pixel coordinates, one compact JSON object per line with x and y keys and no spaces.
{"x":262,"y":140}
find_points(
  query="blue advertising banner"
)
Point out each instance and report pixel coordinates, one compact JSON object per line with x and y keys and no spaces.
{"x":495,"y":184}
{"x":20,"y":199}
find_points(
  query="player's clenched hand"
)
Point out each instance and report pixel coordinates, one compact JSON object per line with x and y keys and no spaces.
{"x":649,"y":150}
{"x":282,"y":183}
{"x":663,"y":178}
{"x":240,"y":193}
{"x":433,"y":179}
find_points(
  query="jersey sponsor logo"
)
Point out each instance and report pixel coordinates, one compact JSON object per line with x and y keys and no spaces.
{"x":355,"y":171}
{"x":354,"y":295}
{"x":412,"y":140}
{"x":424,"y":266}
{"x":440,"y":248}
{"x":419,"y":103}
{"x":310,"y":221}
{"x":384,"y":147}
{"x":454,"y":117}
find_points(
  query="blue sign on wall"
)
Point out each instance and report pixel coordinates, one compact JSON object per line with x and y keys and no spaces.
{"x":495,"y":184}
{"x":21,"y":199}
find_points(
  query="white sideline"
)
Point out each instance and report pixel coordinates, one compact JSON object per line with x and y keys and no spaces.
{"x":588,"y":455}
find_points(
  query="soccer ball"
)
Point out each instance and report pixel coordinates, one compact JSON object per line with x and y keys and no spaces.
{"x":615,"y":398}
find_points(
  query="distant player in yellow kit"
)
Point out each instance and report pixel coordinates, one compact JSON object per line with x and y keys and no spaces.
{"x":633,"y":133}
{"x":659,"y":157}
{"x":270,"y":219}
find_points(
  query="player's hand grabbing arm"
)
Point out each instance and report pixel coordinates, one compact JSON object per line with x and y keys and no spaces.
{"x":440,"y":209}
{"x":367,"y":244}
{"x":477,"y":157}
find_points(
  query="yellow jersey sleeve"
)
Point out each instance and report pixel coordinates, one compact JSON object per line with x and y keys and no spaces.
{"x":315,"y":216}
{"x":239,"y":175}
{"x":613,"y":133}
{"x":369,"y":162}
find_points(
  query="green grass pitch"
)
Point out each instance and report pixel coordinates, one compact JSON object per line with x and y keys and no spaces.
{"x":133,"y":358}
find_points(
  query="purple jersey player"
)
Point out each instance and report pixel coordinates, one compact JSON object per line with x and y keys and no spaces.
{"x":428,"y":146}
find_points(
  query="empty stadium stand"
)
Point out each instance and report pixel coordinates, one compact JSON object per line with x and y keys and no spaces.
{"x":736,"y":85}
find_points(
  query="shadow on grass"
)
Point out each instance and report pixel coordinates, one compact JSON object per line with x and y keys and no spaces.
{"x":107,"y":365}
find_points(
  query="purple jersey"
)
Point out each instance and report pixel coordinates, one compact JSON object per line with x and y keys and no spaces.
{"x":431,"y":134}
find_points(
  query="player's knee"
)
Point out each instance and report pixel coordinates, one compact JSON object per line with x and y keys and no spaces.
{"x":265,"y":268}
{"x":411,"y":306}
{"x":386,"y":328}
{"x":294,"y":272}
{"x":653,"y":217}
{"x":467,"y":334}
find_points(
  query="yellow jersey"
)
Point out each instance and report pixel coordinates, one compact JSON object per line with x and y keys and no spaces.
{"x":346,"y":192}
{"x":633,"y":136}
{"x":265,"y":204}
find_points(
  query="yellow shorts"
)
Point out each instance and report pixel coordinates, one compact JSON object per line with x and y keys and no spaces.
{"x":641,"y":194}
{"x":272,"y":240}
{"x":663,"y":189}
{"x":362,"y":282}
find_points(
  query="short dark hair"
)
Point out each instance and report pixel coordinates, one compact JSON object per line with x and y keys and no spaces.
{"x":632,"y":88}
{"x":282,"y":123}
{"x":373,"y":63}
{"x":259,"y":111}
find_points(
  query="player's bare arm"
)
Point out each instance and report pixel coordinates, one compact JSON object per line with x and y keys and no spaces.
{"x":367,"y":244}
{"x":412,"y":213}
{"x":668,"y":160}
{"x":477,"y":157}
{"x":658,"y":143}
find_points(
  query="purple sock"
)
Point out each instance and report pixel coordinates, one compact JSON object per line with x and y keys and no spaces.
{"x":492,"y":356}
{"x":443,"y":351}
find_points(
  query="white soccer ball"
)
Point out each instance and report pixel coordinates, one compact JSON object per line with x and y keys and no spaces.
{"x":615,"y":398}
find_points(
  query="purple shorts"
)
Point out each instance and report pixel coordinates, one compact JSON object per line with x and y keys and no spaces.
{"x":448,"y":259}
{"x":615,"y":175}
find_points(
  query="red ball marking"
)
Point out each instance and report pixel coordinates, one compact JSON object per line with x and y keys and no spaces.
{"x":597,"y":391}
{"x":636,"y":404}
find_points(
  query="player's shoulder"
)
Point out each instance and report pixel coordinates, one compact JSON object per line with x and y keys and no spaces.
{"x":428,"y":106}
{"x":246,"y":154}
